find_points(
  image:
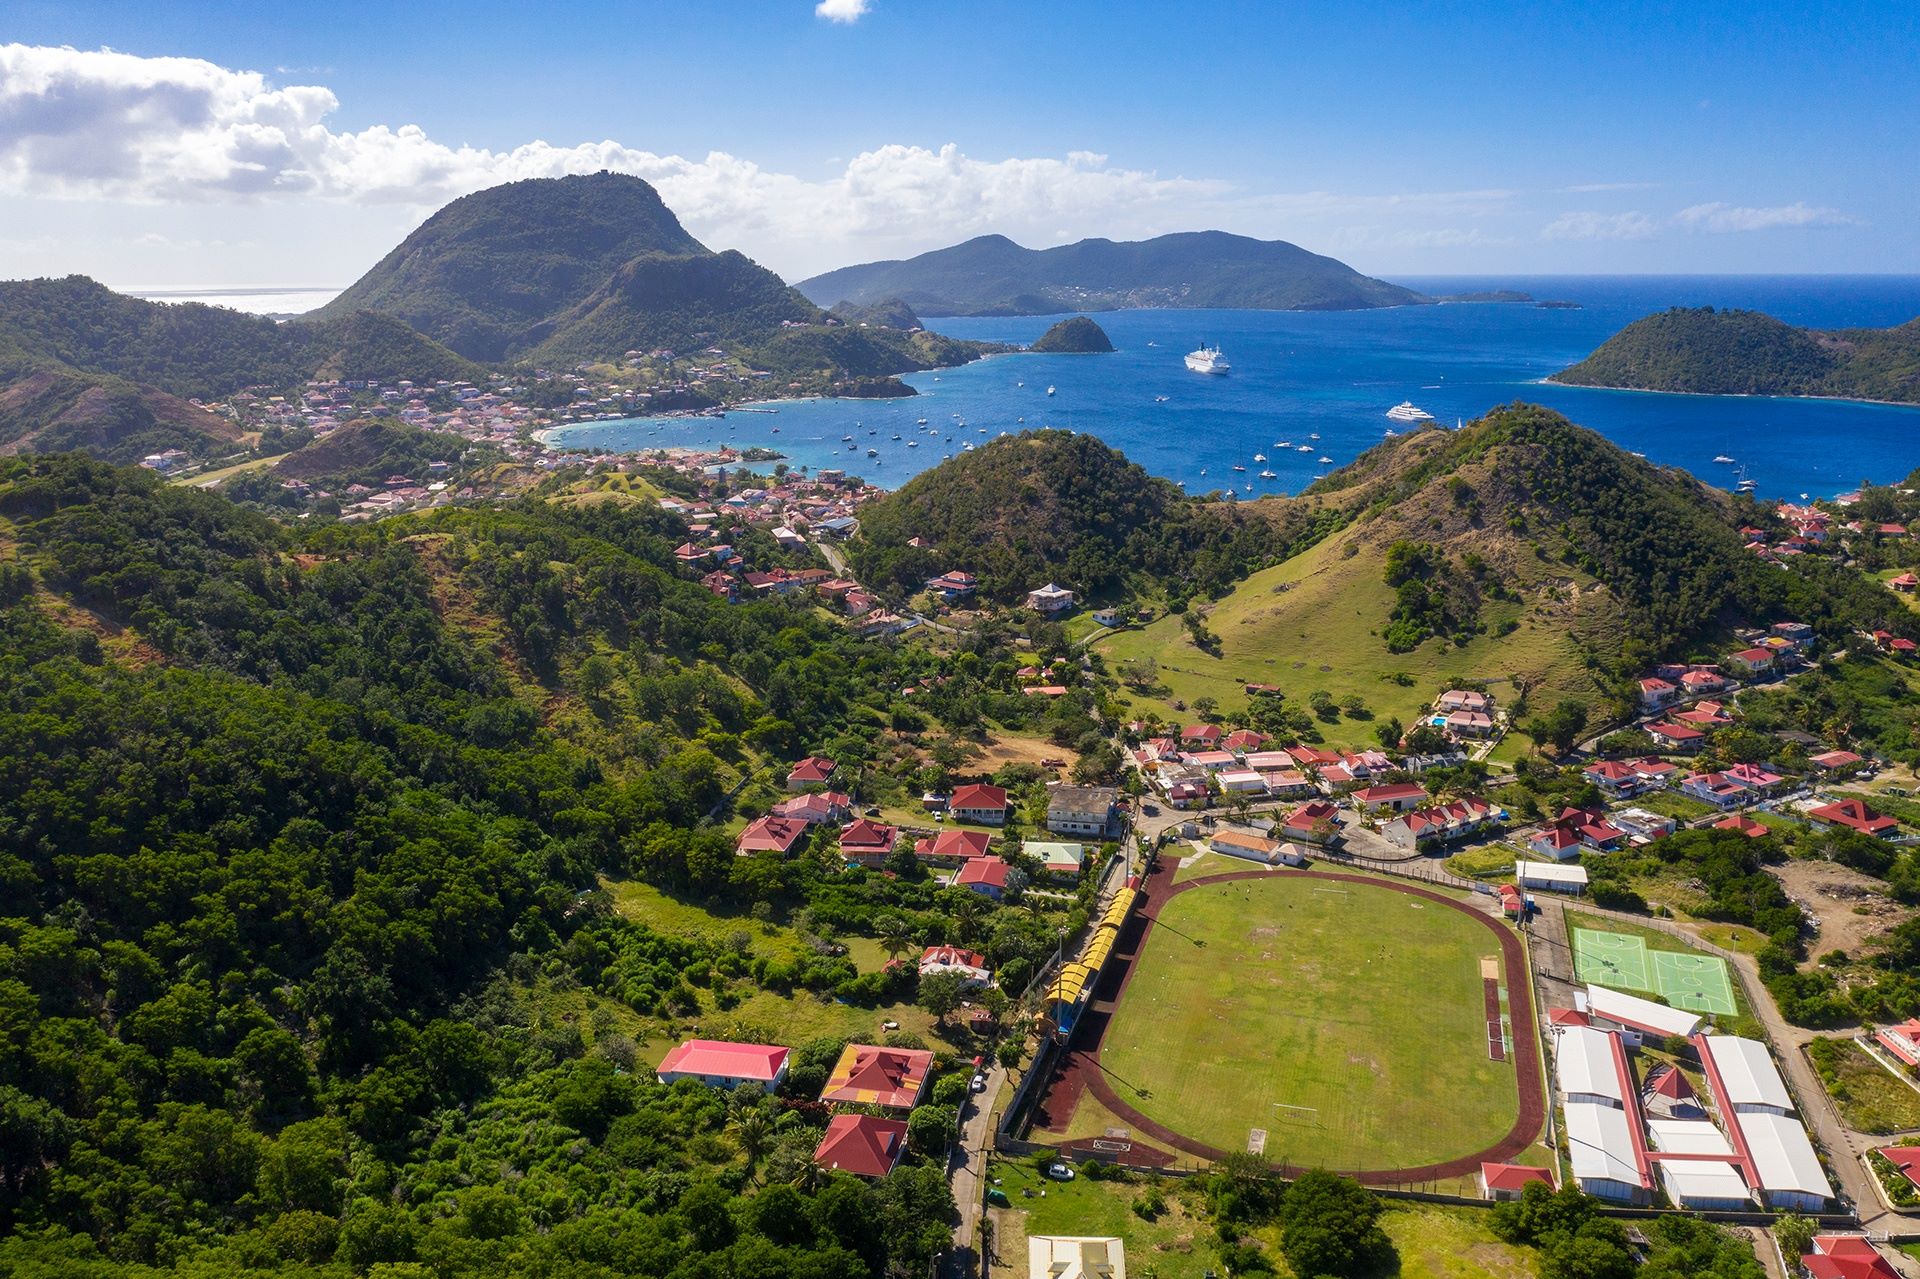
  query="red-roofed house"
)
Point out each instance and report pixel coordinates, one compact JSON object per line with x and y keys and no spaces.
{"x":867,"y":1075}
{"x":1903,"y":1041}
{"x":1506,"y":1181}
{"x":1854,"y":815}
{"x":954,"y":847}
{"x":1751,"y":661}
{"x":1314,"y":822}
{"x":1202,"y":736}
{"x":982,"y":805}
{"x":1656,"y":693}
{"x":814,"y":770}
{"x":770,"y":835}
{"x":1557,"y":842}
{"x":816,"y":808}
{"x":1441,"y":824}
{"x":1846,"y":1257}
{"x":1613,"y":777}
{"x":969,"y":964}
{"x":720,"y":1064}
{"x":984,"y":875}
{"x":867,"y":843}
{"x":1714,"y":788}
{"x":1394,"y":797}
{"x":1906,"y":583}
{"x":1905,"y":1158}
{"x":1655,"y":772}
{"x":864,"y":1145}
{"x":1742,"y":823}
{"x":1835,"y":761}
{"x":1676,"y":737}
{"x":1705,"y":680}
{"x":1243,"y":739}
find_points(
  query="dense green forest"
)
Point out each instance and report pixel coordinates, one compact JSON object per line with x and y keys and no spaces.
{"x":304,"y":960}
{"x":202,"y":352}
{"x":1052,"y":505}
{"x":1734,"y":352}
{"x":52,"y":411}
{"x":1077,"y":335}
{"x":991,"y":275}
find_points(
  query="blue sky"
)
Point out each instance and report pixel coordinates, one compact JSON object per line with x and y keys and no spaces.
{"x":293,"y":144}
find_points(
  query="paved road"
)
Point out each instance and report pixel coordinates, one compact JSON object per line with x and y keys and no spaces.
{"x":965,"y":1168}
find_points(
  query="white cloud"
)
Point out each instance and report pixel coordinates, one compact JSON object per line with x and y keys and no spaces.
{"x":1632,"y":225}
{"x":841,"y":10}
{"x":1718,"y":217}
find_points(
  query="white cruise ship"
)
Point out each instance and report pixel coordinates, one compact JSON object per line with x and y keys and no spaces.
{"x":1405,"y":412}
{"x":1208,"y":360}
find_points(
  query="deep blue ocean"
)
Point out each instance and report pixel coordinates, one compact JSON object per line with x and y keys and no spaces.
{"x":1326,"y":379}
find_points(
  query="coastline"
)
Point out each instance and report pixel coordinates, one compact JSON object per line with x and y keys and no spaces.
{"x":1731,"y":395}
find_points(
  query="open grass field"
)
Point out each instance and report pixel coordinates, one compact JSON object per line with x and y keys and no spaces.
{"x":1868,"y":1095}
{"x":1433,"y":1241}
{"x":1315,"y":622}
{"x":1346,"y":1021}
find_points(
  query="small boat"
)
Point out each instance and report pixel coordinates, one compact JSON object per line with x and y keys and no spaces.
{"x":1019,"y":383}
{"x":921,"y":422}
{"x":1203,"y":470}
{"x":1151,"y":342}
{"x":873,"y":452}
{"x":1303,"y":449}
{"x":1268,"y":475}
{"x":1159,"y":399}
{"x":1724,"y":460}
{"x":1239,"y":468}
{"x":1323,"y":461}
{"x":1744,"y":486}
{"x":1314,"y":436}
{"x":1020,"y":419}
{"x":896,"y":434}
{"x":913,"y":444}
{"x":1049,"y":390}
{"x":845,"y":438}
{"x":1391,"y":432}
{"x":1259,"y":457}
{"x":1283,"y":444}
{"x":967,"y":447}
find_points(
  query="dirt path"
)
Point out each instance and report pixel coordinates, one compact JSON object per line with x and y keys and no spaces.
{"x":1084,"y":1070}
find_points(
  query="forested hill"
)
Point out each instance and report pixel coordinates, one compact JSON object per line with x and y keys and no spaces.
{"x":1076,"y":335}
{"x":1636,"y":561}
{"x":304,"y":966}
{"x":1055,"y":506}
{"x":1732,"y":352}
{"x":992,"y":275}
{"x":83,"y":367}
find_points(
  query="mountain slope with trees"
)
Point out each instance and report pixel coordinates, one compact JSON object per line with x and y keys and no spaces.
{"x":991,"y":275}
{"x":1075,"y":336}
{"x":1703,"y":351}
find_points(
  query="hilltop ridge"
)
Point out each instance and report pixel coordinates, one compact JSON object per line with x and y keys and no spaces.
{"x":991,"y":275}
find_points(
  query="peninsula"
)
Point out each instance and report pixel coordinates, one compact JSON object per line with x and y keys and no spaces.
{"x":1703,"y":351}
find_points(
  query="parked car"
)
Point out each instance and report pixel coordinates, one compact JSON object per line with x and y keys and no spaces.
{"x":1059,"y":1172}
{"x":979,"y":1084}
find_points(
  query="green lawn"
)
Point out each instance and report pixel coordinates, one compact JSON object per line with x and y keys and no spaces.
{"x":1489,"y":861}
{"x":1433,"y":1242}
{"x":1671,"y":803}
{"x":1345,"y":1020}
{"x":1869,"y":1097}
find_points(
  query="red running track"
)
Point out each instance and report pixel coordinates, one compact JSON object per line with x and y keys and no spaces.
{"x":1081,"y":1067}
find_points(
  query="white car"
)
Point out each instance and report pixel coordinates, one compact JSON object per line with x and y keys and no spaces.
{"x":979,"y":1084}
{"x":1059,"y":1172}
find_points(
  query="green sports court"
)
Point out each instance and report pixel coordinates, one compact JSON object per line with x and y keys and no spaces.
{"x":1697,"y":983}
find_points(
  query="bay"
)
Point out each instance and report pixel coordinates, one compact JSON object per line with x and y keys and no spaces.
{"x":1324,"y":380}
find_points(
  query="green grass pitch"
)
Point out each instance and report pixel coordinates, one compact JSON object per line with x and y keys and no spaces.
{"x":1346,"y":1020}
{"x":1612,"y":959}
{"x":1697,"y":983}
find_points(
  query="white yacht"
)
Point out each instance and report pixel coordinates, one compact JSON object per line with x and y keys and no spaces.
{"x":1404,"y":411}
{"x":1208,"y":359}
{"x":1724,"y":460}
{"x":1268,"y":475}
{"x":1049,"y":390}
{"x":1259,"y":457}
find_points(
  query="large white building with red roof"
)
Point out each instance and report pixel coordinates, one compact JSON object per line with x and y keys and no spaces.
{"x":721,"y":1064}
{"x":980,"y":804}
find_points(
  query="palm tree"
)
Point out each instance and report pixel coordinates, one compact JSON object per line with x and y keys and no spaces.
{"x":753,"y":1134}
{"x":966,"y":917}
{"x":894,"y":936}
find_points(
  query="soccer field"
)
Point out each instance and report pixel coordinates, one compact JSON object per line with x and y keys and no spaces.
{"x":1346,"y":1021}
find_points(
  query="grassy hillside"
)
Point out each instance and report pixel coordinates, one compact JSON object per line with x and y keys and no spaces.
{"x":369,"y":452}
{"x":1522,"y":546}
{"x":111,"y":418}
{"x":991,"y":275}
{"x":1704,"y":351}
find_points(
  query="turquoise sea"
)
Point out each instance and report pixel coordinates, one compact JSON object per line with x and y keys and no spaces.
{"x":1326,"y":379}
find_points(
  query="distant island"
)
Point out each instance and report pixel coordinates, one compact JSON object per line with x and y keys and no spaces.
{"x":1076,"y":336}
{"x":991,"y":275}
{"x":1703,"y":351}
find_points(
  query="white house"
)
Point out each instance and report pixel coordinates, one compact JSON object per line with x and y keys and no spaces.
{"x":1551,"y":876}
{"x":1050,"y":599}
